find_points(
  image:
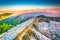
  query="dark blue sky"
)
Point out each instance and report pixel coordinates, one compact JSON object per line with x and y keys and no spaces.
{"x":29,"y":2}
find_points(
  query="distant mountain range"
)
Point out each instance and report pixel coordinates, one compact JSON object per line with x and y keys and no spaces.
{"x":17,"y":20}
{"x":49,"y":18}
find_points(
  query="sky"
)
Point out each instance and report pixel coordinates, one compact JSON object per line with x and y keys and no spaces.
{"x":28,"y":4}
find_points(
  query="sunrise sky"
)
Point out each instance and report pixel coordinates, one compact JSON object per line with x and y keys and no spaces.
{"x":18,"y":7}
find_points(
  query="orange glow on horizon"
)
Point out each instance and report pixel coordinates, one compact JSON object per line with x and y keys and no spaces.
{"x":51,"y":11}
{"x":20,"y":12}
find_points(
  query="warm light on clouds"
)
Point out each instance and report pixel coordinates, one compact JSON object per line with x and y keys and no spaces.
{"x":22,"y":9}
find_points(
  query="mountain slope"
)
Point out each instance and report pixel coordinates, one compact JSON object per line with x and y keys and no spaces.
{"x":12,"y":33}
{"x":11,"y":22}
{"x":42,"y":27}
{"x":40,"y":30}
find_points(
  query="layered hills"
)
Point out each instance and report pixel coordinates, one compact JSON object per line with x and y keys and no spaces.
{"x":42,"y":28}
